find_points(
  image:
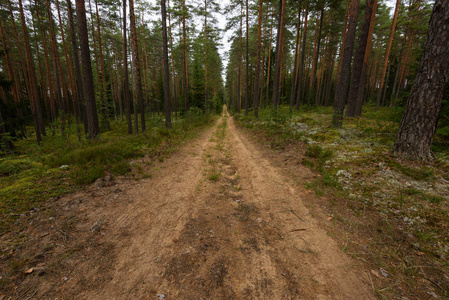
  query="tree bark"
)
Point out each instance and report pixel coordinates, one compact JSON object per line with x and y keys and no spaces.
{"x":186,"y":65}
{"x":303,"y":57}
{"x":366,"y":58}
{"x":341,"y":91}
{"x":79,"y":80}
{"x":418,"y":124}
{"x":57,"y":69}
{"x":295,"y":68}
{"x":103,"y":71}
{"x":370,"y":13}
{"x":175,"y":100}
{"x":137,"y":66}
{"x":166,"y":69}
{"x":269,"y":52}
{"x":342,"y":47}
{"x":34,"y":97}
{"x":205,"y":58}
{"x":89,"y":93}
{"x":256,"y":79}
{"x":316,"y":55}
{"x":239,"y":83}
{"x":247,"y":62}
{"x":279,"y":48}
{"x":126,"y":74}
{"x":19,"y":47}
{"x":387,"y":53}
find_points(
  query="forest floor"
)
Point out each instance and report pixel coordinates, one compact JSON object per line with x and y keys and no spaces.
{"x":220,"y":219}
{"x":283,"y":207}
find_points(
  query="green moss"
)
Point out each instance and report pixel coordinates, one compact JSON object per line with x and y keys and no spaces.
{"x":14,"y":166}
{"x":316,"y":151}
{"x":328,"y":136}
{"x":34,"y":175}
{"x":423,"y":173}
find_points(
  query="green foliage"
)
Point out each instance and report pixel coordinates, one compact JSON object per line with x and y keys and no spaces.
{"x":330,"y":180}
{"x":12,"y":167}
{"x":390,"y":114}
{"x":280,"y":117}
{"x":86,"y":176}
{"x":316,"y":151}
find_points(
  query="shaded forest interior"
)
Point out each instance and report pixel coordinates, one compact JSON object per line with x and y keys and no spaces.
{"x":98,"y":62}
{"x":88,"y":85}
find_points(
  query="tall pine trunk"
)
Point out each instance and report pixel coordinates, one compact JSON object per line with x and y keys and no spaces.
{"x":126,"y":74}
{"x":137,"y":66}
{"x":418,"y":124}
{"x":205,"y":58}
{"x":387,"y":53}
{"x":370,"y":12}
{"x":247,"y":62}
{"x":256,"y":79}
{"x":279,"y":50}
{"x":89,"y":93}
{"x":295,"y":68}
{"x":57,"y":69}
{"x":34,"y":95}
{"x":166,"y":69}
{"x":186,"y":65}
{"x":103,"y":71}
{"x":175,"y":99}
{"x":366,"y":58}
{"x":303,"y":57}
{"x":316,"y":55}
{"x":239,"y":83}
{"x":269,"y":53}
{"x":79,"y":80}
{"x":342,"y":86}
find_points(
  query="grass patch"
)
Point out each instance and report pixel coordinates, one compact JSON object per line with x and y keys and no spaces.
{"x":214,"y":174}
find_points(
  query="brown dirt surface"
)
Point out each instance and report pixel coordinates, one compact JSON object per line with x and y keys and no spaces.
{"x":217,"y":220}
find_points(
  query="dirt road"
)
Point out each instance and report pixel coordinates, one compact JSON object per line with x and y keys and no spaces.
{"x":215,"y":221}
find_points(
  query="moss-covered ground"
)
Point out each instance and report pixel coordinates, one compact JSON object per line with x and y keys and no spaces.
{"x":62,"y":164}
{"x":397,"y":212}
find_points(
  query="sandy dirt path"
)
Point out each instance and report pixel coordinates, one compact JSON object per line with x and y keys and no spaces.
{"x":216,"y":221}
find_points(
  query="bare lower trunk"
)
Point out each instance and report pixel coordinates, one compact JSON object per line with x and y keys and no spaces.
{"x":418,"y":125}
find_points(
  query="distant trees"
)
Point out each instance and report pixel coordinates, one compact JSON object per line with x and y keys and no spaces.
{"x":311,"y":60}
{"x":66,"y":63}
{"x":295,"y":52}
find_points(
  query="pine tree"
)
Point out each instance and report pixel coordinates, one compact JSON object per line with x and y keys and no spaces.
{"x":418,"y":124}
{"x":89,"y":93}
{"x":165,"y":66}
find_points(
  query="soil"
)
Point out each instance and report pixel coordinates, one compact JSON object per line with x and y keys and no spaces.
{"x":218,"y":220}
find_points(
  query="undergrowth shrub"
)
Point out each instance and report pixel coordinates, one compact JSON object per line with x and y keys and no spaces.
{"x":316,"y":151}
{"x":11,"y":167}
{"x":83,"y":175}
